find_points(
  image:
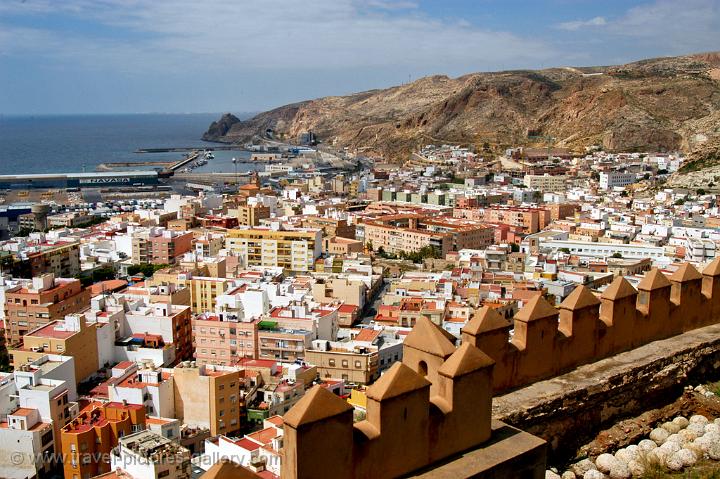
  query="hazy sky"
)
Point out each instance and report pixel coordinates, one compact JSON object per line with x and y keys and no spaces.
{"x":105,"y":56}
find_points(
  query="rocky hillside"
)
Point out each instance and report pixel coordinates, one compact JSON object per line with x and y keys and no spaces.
{"x":662,"y":104}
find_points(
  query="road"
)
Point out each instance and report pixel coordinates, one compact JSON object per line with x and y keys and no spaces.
{"x":375,"y":303}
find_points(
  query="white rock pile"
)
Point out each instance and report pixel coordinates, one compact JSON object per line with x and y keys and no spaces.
{"x":674,"y":445}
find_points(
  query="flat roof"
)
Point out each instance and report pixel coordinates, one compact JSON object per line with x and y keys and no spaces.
{"x":49,"y":331}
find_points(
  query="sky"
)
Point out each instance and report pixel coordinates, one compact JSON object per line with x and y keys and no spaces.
{"x":137,"y":56}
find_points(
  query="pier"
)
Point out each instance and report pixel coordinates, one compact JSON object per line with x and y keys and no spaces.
{"x":181,"y":149}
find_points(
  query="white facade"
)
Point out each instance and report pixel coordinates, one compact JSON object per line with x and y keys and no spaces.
{"x":616,"y":179}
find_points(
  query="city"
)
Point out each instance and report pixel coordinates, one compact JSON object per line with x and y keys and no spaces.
{"x":359,"y":239}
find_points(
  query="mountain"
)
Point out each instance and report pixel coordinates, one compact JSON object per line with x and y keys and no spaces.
{"x":661,"y":104}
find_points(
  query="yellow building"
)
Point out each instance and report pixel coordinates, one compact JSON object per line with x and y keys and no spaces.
{"x":292,"y":249}
{"x":69,"y":337}
{"x":204,"y":291}
{"x":250,"y":215}
{"x":208,"y":397}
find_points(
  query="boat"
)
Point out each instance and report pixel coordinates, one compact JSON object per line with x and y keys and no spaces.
{"x":209,"y":155}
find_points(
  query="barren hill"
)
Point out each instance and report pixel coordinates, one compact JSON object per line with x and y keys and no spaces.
{"x":662,"y":104}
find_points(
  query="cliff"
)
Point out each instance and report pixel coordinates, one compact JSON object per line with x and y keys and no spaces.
{"x":662,"y":104}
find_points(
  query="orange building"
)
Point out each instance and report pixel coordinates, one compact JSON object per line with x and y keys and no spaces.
{"x":47,"y":299}
{"x":89,"y":438}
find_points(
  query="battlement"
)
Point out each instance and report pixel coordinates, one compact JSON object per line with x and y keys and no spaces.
{"x":432,"y":405}
{"x":548,"y":341}
{"x":436,"y":403}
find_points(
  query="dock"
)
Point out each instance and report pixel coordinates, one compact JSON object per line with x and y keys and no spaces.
{"x":185,"y":149}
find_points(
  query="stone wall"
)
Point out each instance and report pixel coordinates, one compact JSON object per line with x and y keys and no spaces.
{"x":569,"y":409}
{"x":549,"y":341}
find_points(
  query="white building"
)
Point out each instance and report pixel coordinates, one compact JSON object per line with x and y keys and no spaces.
{"x":615,"y":179}
{"x":147,"y":455}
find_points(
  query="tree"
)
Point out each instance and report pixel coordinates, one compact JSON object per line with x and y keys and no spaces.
{"x":617,"y":255}
{"x":514,"y":247}
{"x":146,"y":269}
{"x":565,"y":250}
{"x":595,"y":176}
{"x":700,"y":191}
{"x":369,"y":245}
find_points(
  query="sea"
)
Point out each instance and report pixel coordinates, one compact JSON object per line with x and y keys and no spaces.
{"x":78,"y":143}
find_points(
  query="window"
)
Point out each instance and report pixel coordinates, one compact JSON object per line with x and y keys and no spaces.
{"x":358,"y":364}
{"x":331,"y":363}
{"x":344,"y":363}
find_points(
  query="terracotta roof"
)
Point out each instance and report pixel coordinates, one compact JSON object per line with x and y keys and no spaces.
{"x":22,"y":411}
{"x":535,"y":309}
{"x":226,"y":469}
{"x":465,"y":360}
{"x":107,"y":286}
{"x":368,"y":335}
{"x":618,"y":289}
{"x":430,"y":338}
{"x":686,"y":272}
{"x":580,"y":298}
{"x":317,"y":404}
{"x":713,"y":269}
{"x":653,"y":280}
{"x":485,"y":320}
{"x":398,"y":380}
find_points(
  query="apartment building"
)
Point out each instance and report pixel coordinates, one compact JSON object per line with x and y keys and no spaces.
{"x":546,"y":182}
{"x":88,"y":440}
{"x":223,"y":338}
{"x":27,"y":444}
{"x":359,"y":359}
{"x":613,"y":179}
{"x":45,"y":299}
{"x":291,"y":249}
{"x":330,"y":226}
{"x":286,"y":332}
{"x":70,"y":337}
{"x":342,"y":246}
{"x":531,"y":220}
{"x":328,"y":290}
{"x":59,"y":258}
{"x":559,"y":211}
{"x":208,"y":245}
{"x":208,"y":396}
{"x":163,"y":329}
{"x":159,"y":246}
{"x":48,"y":385}
{"x":149,"y":386}
{"x":401,"y":234}
{"x":250,"y":215}
{"x":204,"y":292}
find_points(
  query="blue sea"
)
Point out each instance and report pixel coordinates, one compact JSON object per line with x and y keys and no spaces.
{"x":77,"y":143}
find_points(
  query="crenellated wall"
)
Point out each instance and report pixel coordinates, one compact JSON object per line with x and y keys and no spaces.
{"x":548,"y":341}
{"x":433,"y":405}
{"x":436,"y":403}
